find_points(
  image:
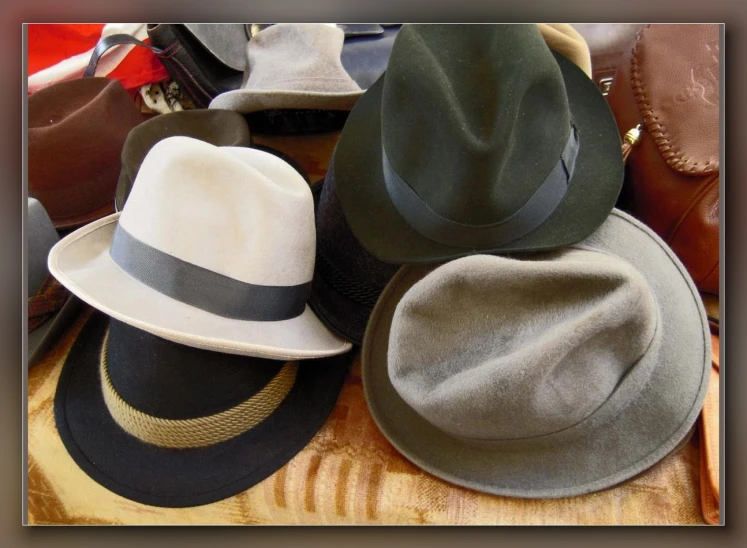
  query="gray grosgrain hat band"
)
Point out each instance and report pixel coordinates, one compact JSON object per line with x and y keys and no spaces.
{"x":533,"y":213}
{"x":203,"y":288}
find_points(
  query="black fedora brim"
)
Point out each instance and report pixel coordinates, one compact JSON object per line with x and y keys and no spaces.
{"x":645,"y":431}
{"x":184,"y":477}
{"x":374,"y":220}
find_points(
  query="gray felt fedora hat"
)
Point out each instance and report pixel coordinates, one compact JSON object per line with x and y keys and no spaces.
{"x":553,"y":375}
{"x":50,"y":307}
{"x":293,"y":66}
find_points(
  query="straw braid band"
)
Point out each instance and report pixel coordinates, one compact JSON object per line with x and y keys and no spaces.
{"x":202,"y":431}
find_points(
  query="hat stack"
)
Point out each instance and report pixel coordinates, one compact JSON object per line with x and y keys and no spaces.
{"x":536,"y":342}
{"x":518,"y":334}
{"x":212,"y":371}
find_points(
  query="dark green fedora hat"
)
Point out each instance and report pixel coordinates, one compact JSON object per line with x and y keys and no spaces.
{"x":477,"y":138}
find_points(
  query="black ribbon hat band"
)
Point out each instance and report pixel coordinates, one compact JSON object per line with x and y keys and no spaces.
{"x":532,"y":214}
{"x":203,"y":288}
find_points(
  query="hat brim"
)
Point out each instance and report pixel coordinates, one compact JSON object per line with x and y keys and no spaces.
{"x":43,"y":337}
{"x":373,"y":218}
{"x":184,"y":477}
{"x":81,"y":262}
{"x":247,"y":101}
{"x":643,"y":433}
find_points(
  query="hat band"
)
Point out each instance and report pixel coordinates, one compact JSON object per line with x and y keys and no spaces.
{"x":196,"y":286}
{"x":445,"y":231}
{"x":201,"y":431}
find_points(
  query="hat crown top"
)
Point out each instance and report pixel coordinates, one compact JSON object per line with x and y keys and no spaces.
{"x":298,"y":57}
{"x":488,"y":109}
{"x":223,"y":209}
{"x":492,"y":348}
{"x":55,"y":104}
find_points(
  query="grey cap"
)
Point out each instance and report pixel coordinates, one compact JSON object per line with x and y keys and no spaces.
{"x":545,"y":375}
{"x":293,"y":66}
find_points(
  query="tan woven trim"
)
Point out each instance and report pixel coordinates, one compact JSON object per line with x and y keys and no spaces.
{"x":202,"y":431}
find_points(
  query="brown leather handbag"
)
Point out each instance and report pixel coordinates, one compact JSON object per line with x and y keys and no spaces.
{"x":665,"y":97}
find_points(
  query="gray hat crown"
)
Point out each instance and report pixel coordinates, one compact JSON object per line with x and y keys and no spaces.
{"x":499,"y":349}
{"x":41,"y":236}
{"x":298,"y":57}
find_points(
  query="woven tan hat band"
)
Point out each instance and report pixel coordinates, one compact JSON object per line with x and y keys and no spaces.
{"x":202,"y":431}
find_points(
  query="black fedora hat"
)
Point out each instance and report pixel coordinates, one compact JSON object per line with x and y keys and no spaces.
{"x":347,"y":279}
{"x":170,"y":425}
{"x":477,"y":138}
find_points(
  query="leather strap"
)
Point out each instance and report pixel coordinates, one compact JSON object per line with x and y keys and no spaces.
{"x":203,"y":288}
{"x":109,"y":42}
{"x":532,"y":214}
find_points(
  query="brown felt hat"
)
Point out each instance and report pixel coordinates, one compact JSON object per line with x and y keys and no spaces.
{"x":76,"y":130}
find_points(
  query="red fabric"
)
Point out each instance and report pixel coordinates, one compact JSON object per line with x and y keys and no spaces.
{"x":50,"y":44}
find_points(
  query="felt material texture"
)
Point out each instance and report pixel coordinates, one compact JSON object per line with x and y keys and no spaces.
{"x":226,"y":41}
{"x":507,"y":118}
{"x":293,"y":66}
{"x":584,"y":372}
{"x":347,"y":279}
{"x":173,"y":381}
{"x":567,"y":331}
{"x":76,"y":130}
{"x":218,"y":127}
{"x":237,"y":212}
{"x":41,"y":236}
{"x":183,"y":477}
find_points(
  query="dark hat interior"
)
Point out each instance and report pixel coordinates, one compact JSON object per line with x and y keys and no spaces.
{"x":347,"y":279}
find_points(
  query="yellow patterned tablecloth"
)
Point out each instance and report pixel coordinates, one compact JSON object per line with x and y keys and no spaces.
{"x":348,"y":474}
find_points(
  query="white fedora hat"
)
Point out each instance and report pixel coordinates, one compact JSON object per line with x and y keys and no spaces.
{"x":214,"y":249}
{"x":293,"y":66}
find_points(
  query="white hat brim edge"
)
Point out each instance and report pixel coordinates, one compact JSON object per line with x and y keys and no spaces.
{"x":126,"y":284}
